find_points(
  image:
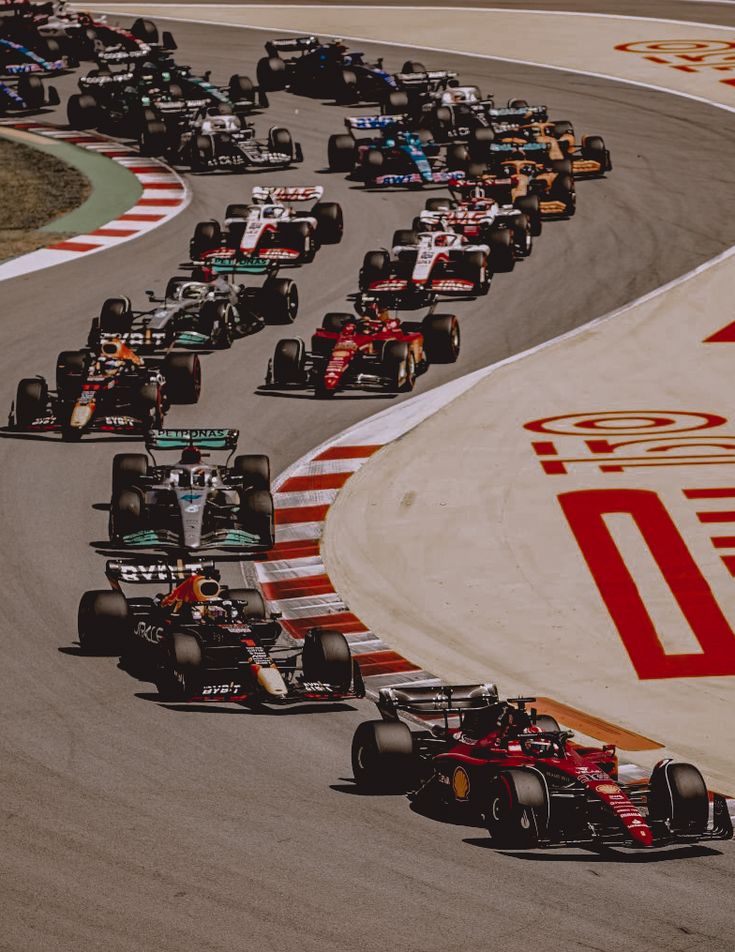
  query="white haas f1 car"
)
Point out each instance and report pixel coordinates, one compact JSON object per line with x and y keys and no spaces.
{"x":270,"y":228}
{"x":215,"y":140}
{"x":433,"y":263}
{"x":505,"y":228}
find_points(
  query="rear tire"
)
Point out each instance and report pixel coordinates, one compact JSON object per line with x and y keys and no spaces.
{"x":127,"y":513}
{"x":383,"y":758}
{"x":502,"y":257}
{"x":255,"y":469}
{"x":327,"y":658}
{"x":70,"y":368}
{"x":207,"y":237}
{"x":334,"y":321}
{"x":375,"y":267}
{"x":403,"y":237}
{"x":256,"y":515}
{"x":82,"y":112}
{"x":183,"y":374}
{"x":127,"y":469}
{"x":271,"y":73}
{"x":341,"y":153}
{"x":145,"y":30}
{"x":278,"y":301}
{"x":153,"y":138}
{"x":254,"y":603}
{"x":30,"y":88}
{"x":441,"y":338}
{"x":115,"y":316}
{"x":329,"y":222}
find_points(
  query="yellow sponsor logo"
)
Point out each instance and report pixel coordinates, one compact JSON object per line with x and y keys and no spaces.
{"x":608,"y":788}
{"x":461,"y":783}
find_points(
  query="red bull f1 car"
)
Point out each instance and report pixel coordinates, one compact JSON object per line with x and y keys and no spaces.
{"x":502,"y":765}
{"x":204,"y":641}
{"x":109,"y":389}
{"x":191,"y":505}
{"x":270,"y":228}
{"x":373,"y":351}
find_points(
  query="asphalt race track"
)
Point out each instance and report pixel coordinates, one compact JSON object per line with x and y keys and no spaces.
{"x":128,"y":824}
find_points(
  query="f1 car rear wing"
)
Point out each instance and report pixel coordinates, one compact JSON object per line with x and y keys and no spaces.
{"x":296,"y":44}
{"x":287,"y":193}
{"x":221,"y":439}
{"x":231,"y":263}
{"x":141,"y":573}
{"x":510,"y":113}
{"x":430,"y":76}
{"x":528,"y":148}
{"x":442,"y":699}
{"x":373,"y":122}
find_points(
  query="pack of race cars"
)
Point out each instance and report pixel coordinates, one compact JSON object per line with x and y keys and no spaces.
{"x":498,"y":173}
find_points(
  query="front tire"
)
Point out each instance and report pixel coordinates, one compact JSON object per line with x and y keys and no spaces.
{"x":103,"y":622}
{"x":518,"y":810}
{"x":383,"y":758}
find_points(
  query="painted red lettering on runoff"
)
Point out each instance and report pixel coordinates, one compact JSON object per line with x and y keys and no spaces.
{"x":585,"y":511}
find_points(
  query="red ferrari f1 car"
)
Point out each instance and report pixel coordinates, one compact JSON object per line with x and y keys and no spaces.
{"x":373,"y":351}
{"x":502,"y":765}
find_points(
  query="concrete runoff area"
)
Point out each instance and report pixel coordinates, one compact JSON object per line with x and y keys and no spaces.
{"x":130,"y":824}
{"x":462,"y":513}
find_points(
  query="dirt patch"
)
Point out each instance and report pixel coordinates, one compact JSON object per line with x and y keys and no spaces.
{"x":35,"y":188}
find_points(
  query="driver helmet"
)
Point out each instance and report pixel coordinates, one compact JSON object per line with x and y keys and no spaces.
{"x":191,"y":455}
{"x":536,"y":745}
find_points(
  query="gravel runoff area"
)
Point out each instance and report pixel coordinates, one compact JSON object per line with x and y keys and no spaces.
{"x":36,"y":188}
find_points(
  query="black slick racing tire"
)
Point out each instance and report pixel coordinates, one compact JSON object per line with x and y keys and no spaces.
{"x":116,"y":316}
{"x":517,"y":810}
{"x":254,"y":603}
{"x":31,"y":400}
{"x":289,"y":362}
{"x":103,"y":622}
{"x":329,"y":222}
{"x":83,"y":112}
{"x":326,"y":658}
{"x":127,"y":469}
{"x":441,"y":338}
{"x":678,"y":794}
{"x":183,"y":374}
{"x":341,"y":153}
{"x":256,"y":515}
{"x":383,"y":759}
{"x":271,"y":73}
{"x":255,"y":470}
{"x":278,"y":301}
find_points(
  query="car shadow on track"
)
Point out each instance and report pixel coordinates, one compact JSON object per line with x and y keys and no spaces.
{"x":243,"y":709}
{"x":337,"y":398}
{"x":608,"y":855}
{"x":56,"y":437}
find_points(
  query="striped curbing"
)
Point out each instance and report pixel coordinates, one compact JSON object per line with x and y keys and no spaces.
{"x":295,"y":582}
{"x":164,"y":195}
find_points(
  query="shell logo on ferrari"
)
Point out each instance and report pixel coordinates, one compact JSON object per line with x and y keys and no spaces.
{"x":460,"y":783}
{"x":608,"y":788}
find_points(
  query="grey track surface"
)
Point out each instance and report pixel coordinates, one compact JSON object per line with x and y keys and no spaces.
{"x":129,"y":825}
{"x":692,"y":10}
